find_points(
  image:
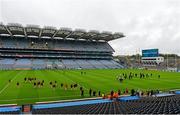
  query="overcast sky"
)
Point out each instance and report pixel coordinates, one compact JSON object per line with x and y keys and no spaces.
{"x":146,"y":23}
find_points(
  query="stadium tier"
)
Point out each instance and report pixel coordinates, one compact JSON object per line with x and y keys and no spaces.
{"x":32,"y":47}
{"x":144,"y":105}
{"x":147,"y":105}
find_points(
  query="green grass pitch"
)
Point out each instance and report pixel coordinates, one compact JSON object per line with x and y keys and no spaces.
{"x":103,"y":80}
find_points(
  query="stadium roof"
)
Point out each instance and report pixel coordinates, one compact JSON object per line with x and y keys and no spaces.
{"x":15,"y":29}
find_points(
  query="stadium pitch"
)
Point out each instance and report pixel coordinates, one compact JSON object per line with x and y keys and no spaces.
{"x":97,"y":80}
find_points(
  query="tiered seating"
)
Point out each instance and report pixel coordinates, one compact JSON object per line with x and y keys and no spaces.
{"x":59,"y":64}
{"x":6,"y":63}
{"x":38,"y":64}
{"x":22,"y":43}
{"x":64,"y":45}
{"x":11,"y":112}
{"x":11,"y":63}
{"x":84,"y":64}
{"x":109,"y":64}
{"x":23,"y":63}
{"x":165,"y":105}
{"x":117,"y":64}
{"x":97,"y":64}
{"x":147,"y":105}
{"x":7,"y":43}
{"x":70,"y":64}
{"x":33,"y":53}
{"x":160,"y":105}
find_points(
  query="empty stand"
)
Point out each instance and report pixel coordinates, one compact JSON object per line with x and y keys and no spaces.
{"x":144,"y":105}
{"x":33,"y":53}
{"x":147,"y":105}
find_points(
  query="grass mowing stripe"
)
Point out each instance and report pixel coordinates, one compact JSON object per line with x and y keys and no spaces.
{"x":65,"y":76}
{"x":9,"y":83}
{"x":68,"y":77}
{"x":6,"y":76}
{"x":95,"y":81}
{"x":51,"y":77}
{"x":103,"y":80}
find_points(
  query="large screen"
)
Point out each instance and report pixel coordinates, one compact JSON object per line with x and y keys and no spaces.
{"x":150,"y":53}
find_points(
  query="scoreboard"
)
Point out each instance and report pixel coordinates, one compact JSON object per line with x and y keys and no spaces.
{"x":150,"y":53}
{"x":150,"y":57}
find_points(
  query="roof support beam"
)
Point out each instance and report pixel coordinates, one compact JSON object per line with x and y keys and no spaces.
{"x":69,"y":35}
{"x":55,"y":34}
{"x":40,"y":32}
{"x":8,"y":31}
{"x":25,"y":34}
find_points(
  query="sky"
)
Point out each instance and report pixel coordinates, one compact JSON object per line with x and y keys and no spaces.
{"x":145,"y":23}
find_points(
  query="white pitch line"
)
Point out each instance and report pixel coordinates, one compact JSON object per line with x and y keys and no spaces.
{"x":9,"y":83}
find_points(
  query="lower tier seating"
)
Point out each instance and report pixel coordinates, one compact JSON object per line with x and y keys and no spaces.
{"x":160,"y":105}
{"x":21,"y":63}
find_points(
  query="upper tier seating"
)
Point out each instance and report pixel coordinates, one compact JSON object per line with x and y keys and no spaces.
{"x":54,"y":44}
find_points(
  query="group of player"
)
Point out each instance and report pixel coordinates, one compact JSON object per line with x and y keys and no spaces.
{"x":30,"y":79}
{"x":132,"y":75}
{"x":62,"y":85}
{"x":36,"y":82}
{"x":71,"y":86}
{"x":40,"y":83}
{"x":83,"y":73}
